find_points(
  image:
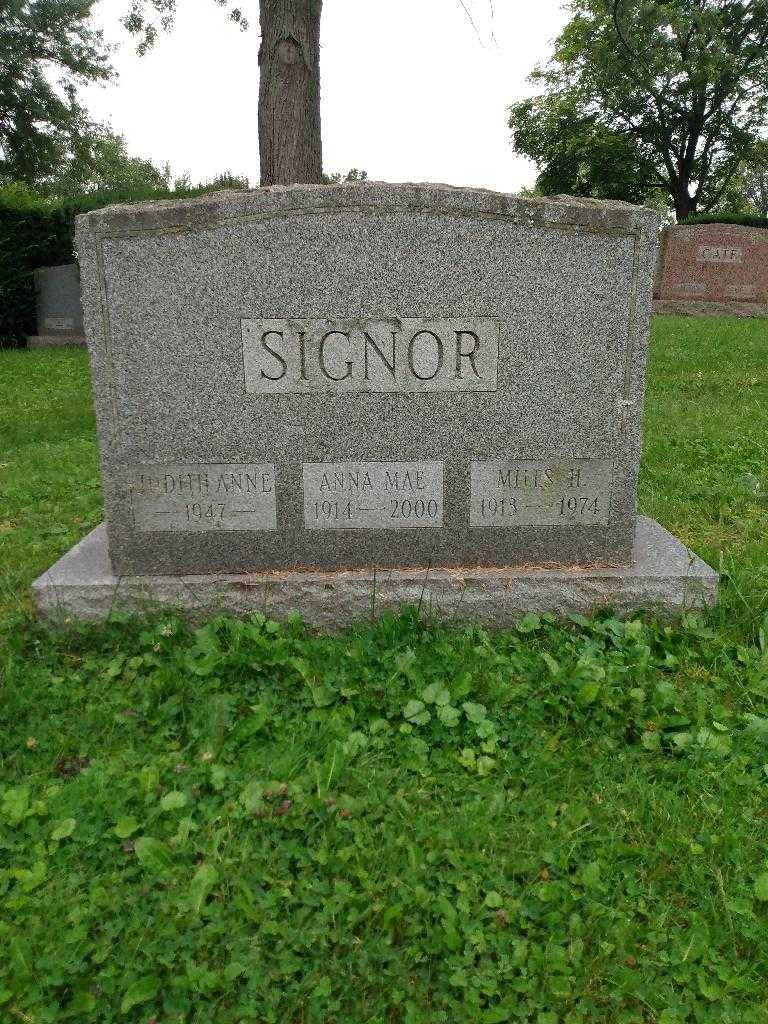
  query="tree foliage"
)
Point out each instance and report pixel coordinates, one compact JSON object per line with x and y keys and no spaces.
{"x":642,"y":95}
{"x":48,"y":48}
{"x":748,"y":191}
{"x":578,"y":154}
{"x":756,"y":182}
{"x":105,"y":165}
{"x":144,"y":18}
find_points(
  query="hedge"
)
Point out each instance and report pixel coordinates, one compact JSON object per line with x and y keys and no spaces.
{"x":743,"y":219}
{"x":32,"y":234}
{"x":37,"y":232}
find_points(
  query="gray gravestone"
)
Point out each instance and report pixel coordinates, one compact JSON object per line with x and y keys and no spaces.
{"x":58,"y":307}
{"x":369,"y":375}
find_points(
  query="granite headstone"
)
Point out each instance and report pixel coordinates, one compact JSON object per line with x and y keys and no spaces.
{"x":368,"y":376}
{"x":58,"y":308}
{"x":714,"y":263}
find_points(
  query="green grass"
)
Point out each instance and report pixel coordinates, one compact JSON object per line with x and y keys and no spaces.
{"x":705,"y":461}
{"x":50,"y":494}
{"x":562,"y":824}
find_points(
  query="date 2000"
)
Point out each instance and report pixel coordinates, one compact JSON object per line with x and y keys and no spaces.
{"x":399,"y":508}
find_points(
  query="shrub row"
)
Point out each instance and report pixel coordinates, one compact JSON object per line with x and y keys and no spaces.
{"x":744,"y":219}
{"x":37,"y":232}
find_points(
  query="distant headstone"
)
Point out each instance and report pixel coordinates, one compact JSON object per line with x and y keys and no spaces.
{"x":58,"y":307}
{"x":299,"y":387}
{"x":725,"y":265}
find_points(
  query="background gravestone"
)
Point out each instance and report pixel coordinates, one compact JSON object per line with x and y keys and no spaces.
{"x":58,"y":307}
{"x":714,"y":263}
{"x":364,"y":376}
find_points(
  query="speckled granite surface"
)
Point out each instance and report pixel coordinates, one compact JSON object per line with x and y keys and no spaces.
{"x":166,"y":286}
{"x":726,"y":264}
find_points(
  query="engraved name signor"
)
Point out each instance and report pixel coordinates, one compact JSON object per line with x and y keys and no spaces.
{"x":284,"y":356}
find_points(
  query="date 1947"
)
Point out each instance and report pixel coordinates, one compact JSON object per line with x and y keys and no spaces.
{"x":197,"y":512}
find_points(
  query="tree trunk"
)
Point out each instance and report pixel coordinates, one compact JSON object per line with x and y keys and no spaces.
{"x":761,"y":193}
{"x":685,"y":206}
{"x":290,"y":144}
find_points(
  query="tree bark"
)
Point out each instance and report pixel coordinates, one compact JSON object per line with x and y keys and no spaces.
{"x":290,"y":144}
{"x":685,"y":205}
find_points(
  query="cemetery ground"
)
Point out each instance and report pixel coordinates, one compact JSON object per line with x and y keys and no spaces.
{"x":406,"y":823}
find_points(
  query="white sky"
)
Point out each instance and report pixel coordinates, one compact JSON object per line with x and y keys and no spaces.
{"x":409,"y":91}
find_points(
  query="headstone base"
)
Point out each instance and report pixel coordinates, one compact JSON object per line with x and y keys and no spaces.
{"x":666,"y":579}
{"x":54,"y":340}
{"x":702,"y":308}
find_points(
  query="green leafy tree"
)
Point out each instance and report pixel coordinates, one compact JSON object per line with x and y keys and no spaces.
{"x":338,"y":178}
{"x":230,"y":181}
{"x":104,"y":165}
{"x":48,"y":48}
{"x":642,"y":95}
{"x":756,"y":180}
{"x":748,"y":191}
{"x":579,"y":155}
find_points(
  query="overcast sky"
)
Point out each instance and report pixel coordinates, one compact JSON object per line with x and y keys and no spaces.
{"x":410,"y":91}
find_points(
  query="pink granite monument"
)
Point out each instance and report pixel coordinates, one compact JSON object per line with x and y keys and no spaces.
{"x":714,"y":263}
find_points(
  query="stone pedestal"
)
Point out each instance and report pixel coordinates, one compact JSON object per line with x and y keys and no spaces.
{"x":684,"y":307}
{"x":665,"y":579}
{"x":54,"y":341}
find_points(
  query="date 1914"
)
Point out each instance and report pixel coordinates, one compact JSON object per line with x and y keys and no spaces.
{"x":373,"y":495}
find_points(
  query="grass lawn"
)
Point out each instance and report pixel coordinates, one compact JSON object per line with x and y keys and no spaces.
{"x":563,"y":824}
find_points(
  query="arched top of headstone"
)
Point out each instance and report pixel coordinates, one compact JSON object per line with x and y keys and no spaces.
{"x":219,"y":208}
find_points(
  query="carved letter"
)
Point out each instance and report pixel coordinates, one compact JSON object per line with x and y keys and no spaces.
{"x":302,"y":355}
{"x":369,"y":341}
{"x":460,"y":354}
{"x":323,"y":367}
{"x":439,"y":355}
{"x":275,"y":354}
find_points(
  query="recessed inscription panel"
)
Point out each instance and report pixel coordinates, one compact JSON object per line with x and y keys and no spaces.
{"x":391,"y":355}
{"x":178,"y":498}
{"x":541,"y":492}
{"x":719,"y":254}
{"x":740,"y":291}
{"x":690,"y":288}
{"x":59,"y":323}
{"x":373,"y":495}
